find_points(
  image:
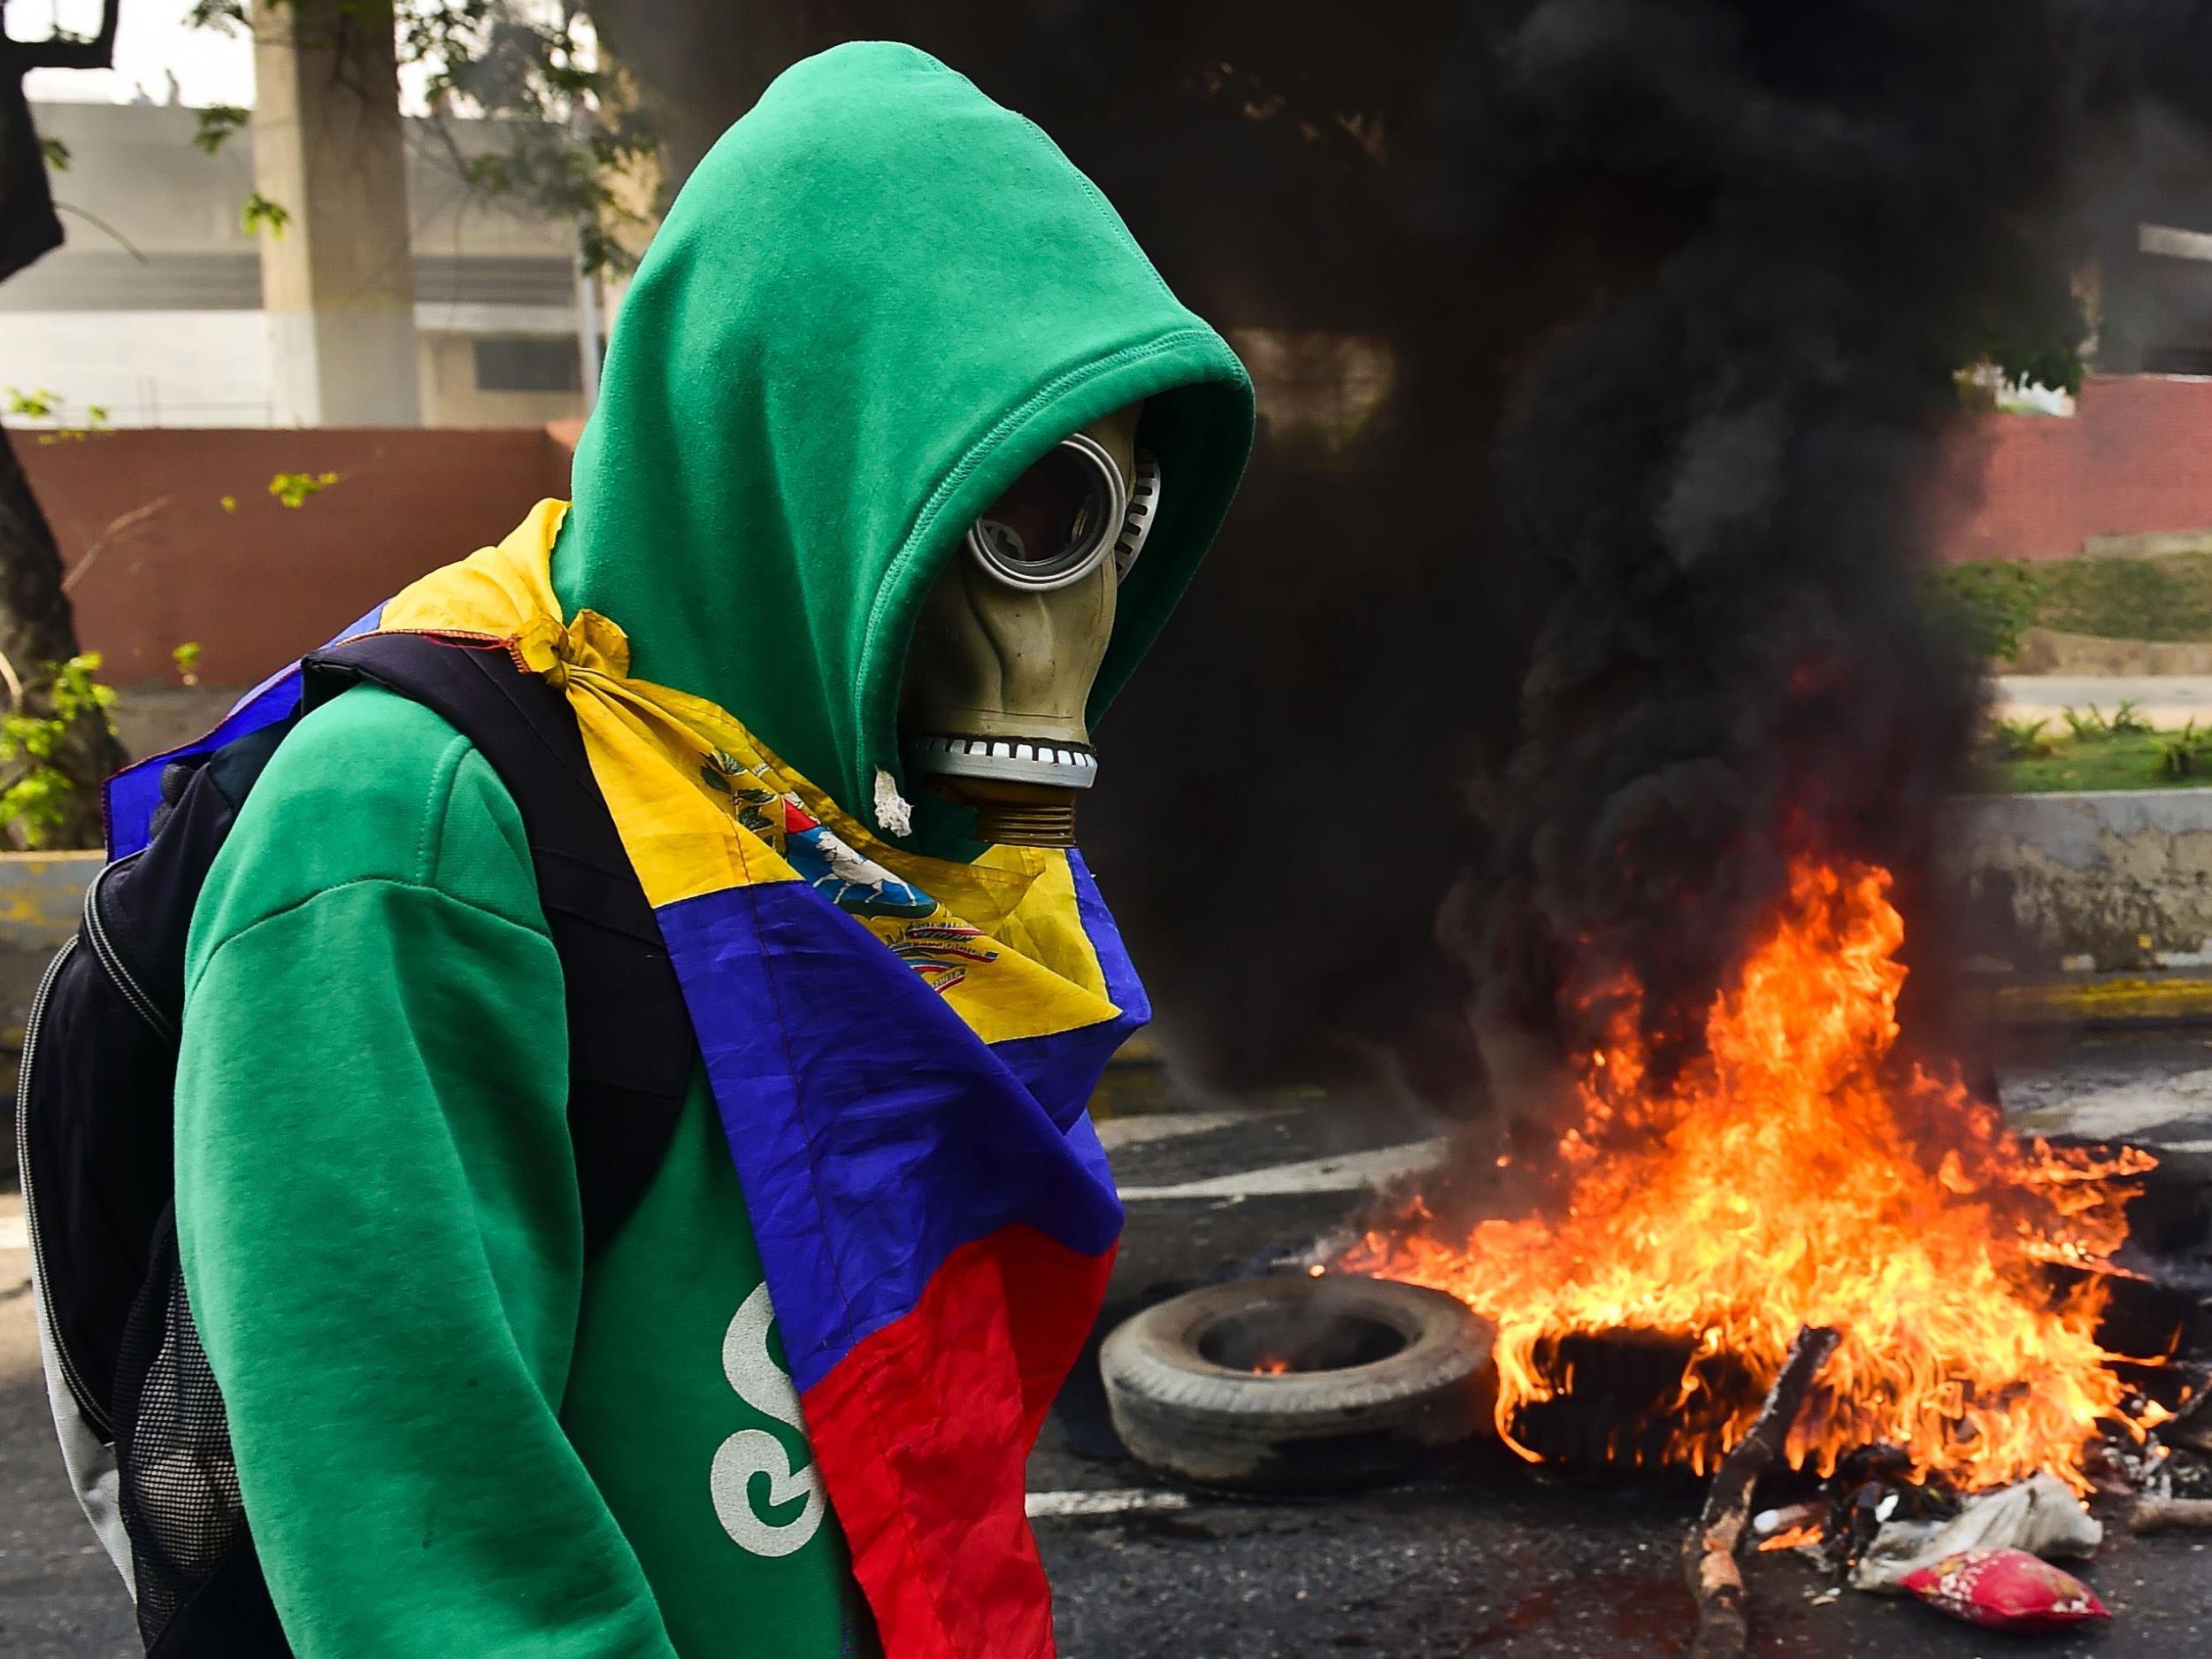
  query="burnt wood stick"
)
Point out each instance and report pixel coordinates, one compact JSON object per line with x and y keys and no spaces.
{"x":1709,"y":1555}
{"x":2167,"y":1515}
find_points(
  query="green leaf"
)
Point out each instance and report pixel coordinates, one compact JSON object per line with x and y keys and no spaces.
{"x":292,"y":489}
{"x":37,"y":804}
{"x":259,"y":213}
{"x":1989,"y":603}
{"x":217,"y":122}
{"x":56,"y":152}
{"x":222,"y":16}
{"x":494,"y":174}
{"x":78,"y":691}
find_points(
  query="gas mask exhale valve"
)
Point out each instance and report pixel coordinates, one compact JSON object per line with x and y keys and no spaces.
{"x":1011,"y":636}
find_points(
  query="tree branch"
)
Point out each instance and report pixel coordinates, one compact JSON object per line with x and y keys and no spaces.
{"x":128,"y":246}
{"x":117,"y":528}
{"x":64,"y":51}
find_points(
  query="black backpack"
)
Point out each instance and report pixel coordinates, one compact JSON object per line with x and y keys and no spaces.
{"x":140,"y":1416}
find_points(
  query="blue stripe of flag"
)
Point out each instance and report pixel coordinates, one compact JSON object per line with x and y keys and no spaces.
{"x":872,"y":1131}
{"x":129,"y":798}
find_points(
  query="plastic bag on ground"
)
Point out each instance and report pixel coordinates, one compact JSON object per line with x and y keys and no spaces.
{"x":2005,"y":1589}
{"x":2039,"y":1515}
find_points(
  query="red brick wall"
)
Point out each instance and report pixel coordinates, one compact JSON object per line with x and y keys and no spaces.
{"x":256,"y":585}
{"x":2135,"y":458}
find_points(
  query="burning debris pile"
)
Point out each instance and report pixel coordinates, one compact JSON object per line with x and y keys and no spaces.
{"x":1799,"y":1249}
{"x":1796,"y":1173}
{"x":1724,"y":1130}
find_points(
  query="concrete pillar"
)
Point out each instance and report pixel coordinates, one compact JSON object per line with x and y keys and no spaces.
{"x":338,"y":283}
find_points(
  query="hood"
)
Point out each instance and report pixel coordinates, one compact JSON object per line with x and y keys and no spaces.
{"x":879,"y":299}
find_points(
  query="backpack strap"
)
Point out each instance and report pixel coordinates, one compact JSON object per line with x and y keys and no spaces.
{"x":630,"y":1041}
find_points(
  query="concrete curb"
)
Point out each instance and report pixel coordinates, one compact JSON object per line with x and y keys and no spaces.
{"x":2104,"y":1003}
{"x":2077,"y":887}
{"x":41,"y":896}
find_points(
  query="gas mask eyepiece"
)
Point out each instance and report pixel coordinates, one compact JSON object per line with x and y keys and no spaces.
{"x":1010,"y":638}
{"x":1065,"y":516}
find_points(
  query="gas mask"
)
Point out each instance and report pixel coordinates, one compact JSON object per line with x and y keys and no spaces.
{"x":1010,"y":637}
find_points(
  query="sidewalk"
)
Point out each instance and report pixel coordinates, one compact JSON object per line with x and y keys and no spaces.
{"x":2164,"y":700}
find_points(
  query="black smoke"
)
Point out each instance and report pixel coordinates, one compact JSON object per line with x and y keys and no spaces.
{"x":1714,"y":483}
{"x":1624,"y":613}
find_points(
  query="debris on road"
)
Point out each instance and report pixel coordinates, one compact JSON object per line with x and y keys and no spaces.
{"x":1294,"y":1382}
{"x":1709,"y":1555}
{"x":2005,"y":1589}
{"x":2167,"y":1515}
{"x":2039,"y":1515}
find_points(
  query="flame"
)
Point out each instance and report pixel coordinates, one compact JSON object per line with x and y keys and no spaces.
{"x":1791,"y":1538}
{"x":1798,"y":1174}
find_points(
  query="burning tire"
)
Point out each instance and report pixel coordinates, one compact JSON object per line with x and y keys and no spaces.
{"x":1298,"y":1383}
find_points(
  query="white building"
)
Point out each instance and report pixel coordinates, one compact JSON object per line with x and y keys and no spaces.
{"x":153,"y":309}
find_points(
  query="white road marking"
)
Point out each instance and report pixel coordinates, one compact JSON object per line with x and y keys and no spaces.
{"x":1347,"y":1172}
{"x":1143,"y":1127}
{"x":2121,"y":1111}
{"x":1055,"y":1505}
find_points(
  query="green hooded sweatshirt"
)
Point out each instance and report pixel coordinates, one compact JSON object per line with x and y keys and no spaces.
{"x":877,"y":300}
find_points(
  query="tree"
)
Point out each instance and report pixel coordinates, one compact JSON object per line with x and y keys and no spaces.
{"x":575,"y":146}
{"x":38,"y":629}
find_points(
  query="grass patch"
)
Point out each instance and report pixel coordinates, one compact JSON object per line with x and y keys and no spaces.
{"x":2133,"y":761}
{"x":2167,"y":597}
{"x":2090,"y":749}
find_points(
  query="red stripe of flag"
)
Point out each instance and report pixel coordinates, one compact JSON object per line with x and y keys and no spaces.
{"x":922,"y":1433}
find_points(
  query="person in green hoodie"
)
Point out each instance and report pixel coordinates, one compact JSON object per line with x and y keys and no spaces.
{"x":881,"y":305}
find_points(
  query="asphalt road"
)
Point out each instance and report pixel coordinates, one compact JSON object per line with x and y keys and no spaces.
{"x":58,"y":1595}
{"x":1484,"y":1557}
